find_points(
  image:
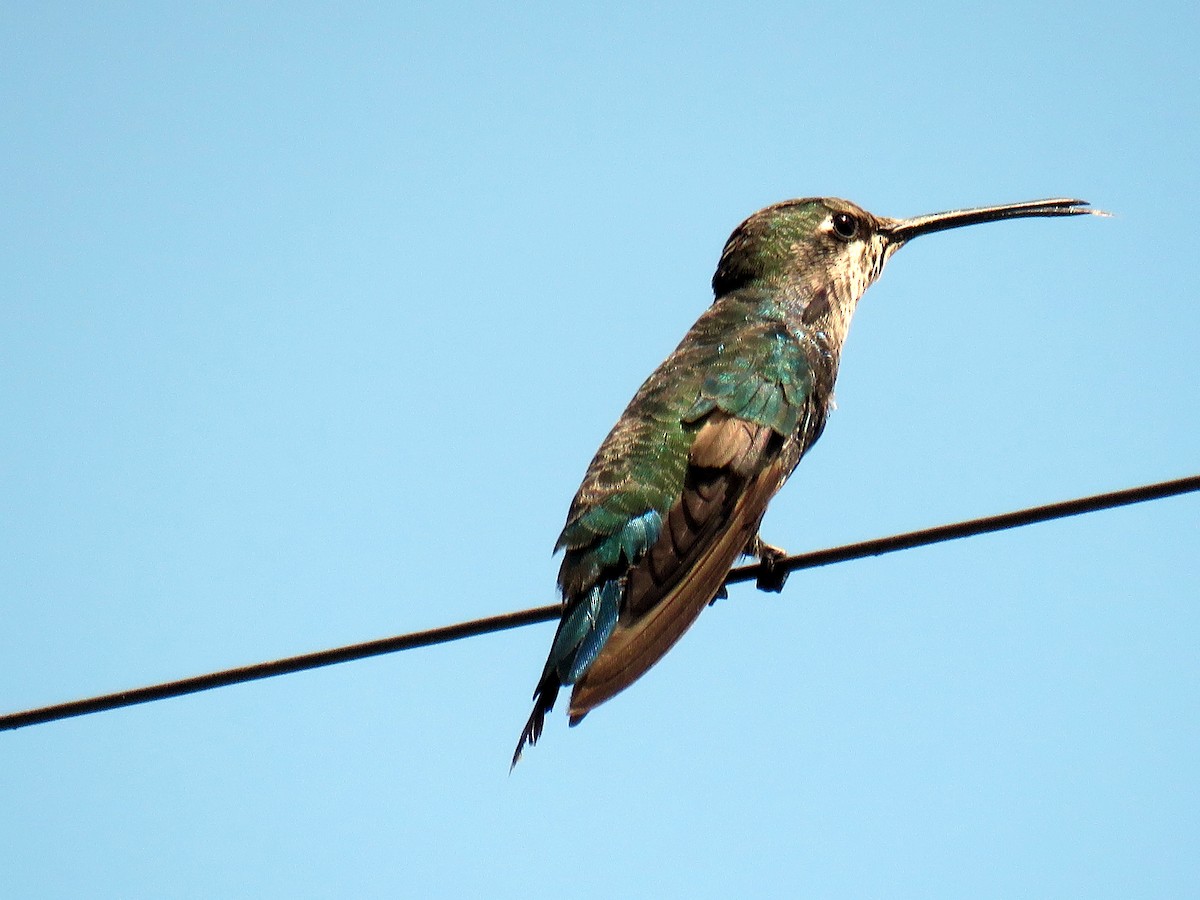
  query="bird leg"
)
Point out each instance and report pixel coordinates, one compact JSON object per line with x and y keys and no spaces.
{"x":771,"y":576}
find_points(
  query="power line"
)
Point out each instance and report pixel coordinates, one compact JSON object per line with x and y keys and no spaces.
{"x":876,"y":547}
{"x":972,"y":527}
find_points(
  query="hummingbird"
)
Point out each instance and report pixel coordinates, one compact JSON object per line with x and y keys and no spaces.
{"x":677,"y":490}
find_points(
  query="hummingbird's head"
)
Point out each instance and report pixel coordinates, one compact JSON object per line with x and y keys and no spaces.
{"x":820,"y":243}
{"x":826,"y":251}
{"x":814,"y":256}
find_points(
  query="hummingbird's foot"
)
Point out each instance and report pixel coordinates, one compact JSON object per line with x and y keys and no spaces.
{"x":771,"y":576}
{"x":721,"y":594}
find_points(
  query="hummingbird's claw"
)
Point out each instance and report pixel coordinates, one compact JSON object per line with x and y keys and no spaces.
{"x":771,"y":576}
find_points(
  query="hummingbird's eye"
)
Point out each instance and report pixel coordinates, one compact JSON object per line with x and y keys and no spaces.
{"x":845,"y":225}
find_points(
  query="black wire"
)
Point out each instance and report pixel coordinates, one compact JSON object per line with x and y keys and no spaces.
{"x":972,"y":527}
{"x":503,"y":622}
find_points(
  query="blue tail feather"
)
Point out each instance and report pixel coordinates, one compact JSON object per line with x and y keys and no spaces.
{"x":585,"y":630}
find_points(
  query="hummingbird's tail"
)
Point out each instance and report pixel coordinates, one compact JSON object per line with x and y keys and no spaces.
{"x":543,"y":702}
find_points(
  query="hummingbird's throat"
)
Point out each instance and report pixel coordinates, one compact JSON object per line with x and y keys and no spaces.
{"x":832,"y":300}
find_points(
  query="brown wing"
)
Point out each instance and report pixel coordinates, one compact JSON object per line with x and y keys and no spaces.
{"x":734,"y":468}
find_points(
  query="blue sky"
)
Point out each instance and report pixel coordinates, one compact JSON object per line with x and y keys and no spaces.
{"x":312,"y":318}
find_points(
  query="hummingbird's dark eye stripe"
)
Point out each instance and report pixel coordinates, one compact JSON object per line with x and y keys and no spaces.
{"x":816,"y":307}
{"x":845,"y":225}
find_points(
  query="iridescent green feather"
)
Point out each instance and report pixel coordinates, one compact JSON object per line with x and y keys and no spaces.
{"x":738,"y":358}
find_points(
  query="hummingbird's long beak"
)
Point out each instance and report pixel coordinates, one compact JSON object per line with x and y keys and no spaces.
{"x":903,"y":230}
